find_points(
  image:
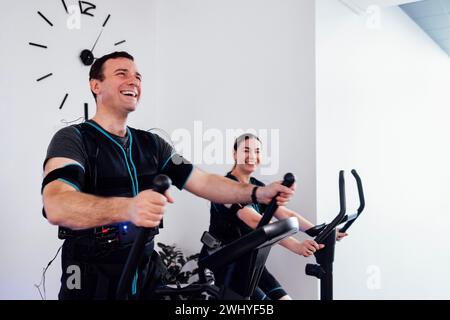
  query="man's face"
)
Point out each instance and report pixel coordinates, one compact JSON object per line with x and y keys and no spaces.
{"x":121,"y":86}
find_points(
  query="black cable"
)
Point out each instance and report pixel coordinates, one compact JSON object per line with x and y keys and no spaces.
{"x":44,"y":297}
{"x":166,"y":135}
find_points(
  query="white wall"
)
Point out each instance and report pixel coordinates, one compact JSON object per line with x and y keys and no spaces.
{"x":30,"y":116}
{"x":381,"y":98}
{"x":240,"y":64}
{"x":382,"y":108}
{"x":231,"y":64}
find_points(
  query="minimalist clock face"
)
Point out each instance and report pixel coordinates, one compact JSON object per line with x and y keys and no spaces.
{"x":81,"y":47}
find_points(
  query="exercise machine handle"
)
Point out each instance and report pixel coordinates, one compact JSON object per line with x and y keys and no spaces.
{"x":362,"y":202}
{"x":341,"y":215}
{"x":160,"y":184}
{"x":288,"y":181}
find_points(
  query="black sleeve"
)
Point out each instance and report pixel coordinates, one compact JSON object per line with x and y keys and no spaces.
{"x":172,"y":164}
{"x":67,"y":143}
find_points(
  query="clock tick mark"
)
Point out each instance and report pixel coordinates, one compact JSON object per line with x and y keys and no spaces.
{"x":37,"y":45}
{"x":107,"y":18}
{"x":120,"y":42}
{"x":64,"y":100}
{"x":86,"y":112}
{"x":46,"y":76}
{"x":43,"y":17}
{"x":65,"y":6}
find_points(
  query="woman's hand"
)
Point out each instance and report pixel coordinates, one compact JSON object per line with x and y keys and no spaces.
{"x":340,"y":235}
{"x":308,"y":247}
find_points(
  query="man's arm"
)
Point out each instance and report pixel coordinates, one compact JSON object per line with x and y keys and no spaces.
{"x":220,"y":189}
{"x":65,"y":206}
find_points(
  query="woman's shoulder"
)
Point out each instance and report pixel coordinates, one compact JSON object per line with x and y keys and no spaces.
{"x":256,"y":182}
{"x":229,"y":175}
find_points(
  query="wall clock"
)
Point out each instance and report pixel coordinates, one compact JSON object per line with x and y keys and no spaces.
{"x":75,"y":12}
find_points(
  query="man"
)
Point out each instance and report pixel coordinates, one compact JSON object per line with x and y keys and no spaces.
{"x":97,"y":186}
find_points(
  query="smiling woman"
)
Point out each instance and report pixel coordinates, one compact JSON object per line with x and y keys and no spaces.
{"x":230,"y":222}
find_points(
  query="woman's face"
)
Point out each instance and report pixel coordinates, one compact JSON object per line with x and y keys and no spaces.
{"x":247,"y":156}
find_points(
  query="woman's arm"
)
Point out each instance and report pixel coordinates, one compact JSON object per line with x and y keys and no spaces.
{"x":284,"y":213}
{"x":305,"y":248}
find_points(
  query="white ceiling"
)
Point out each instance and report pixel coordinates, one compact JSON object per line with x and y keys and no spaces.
{"x":360,"y":6}
{"x":433,"y":16}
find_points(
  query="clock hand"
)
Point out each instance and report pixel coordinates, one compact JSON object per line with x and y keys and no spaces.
{"x":101,"y":31}
{"x":87,"y":56}
{"x":92,"y":50}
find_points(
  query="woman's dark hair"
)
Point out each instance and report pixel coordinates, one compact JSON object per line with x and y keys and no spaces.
{"x":96,"y":71}
{"x":240,"y":139}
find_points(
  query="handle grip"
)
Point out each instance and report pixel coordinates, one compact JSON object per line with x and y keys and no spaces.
{"x":362,"y":202}
{"x":288,"y":181}
{"x":338,"y":219}
{"x":161,"y":183}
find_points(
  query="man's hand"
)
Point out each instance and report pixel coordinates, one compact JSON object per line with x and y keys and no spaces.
{"x":265,"y":194}
{"x":309,"y":247}
{"x":340,"y":235}
{"x":147,"y":208}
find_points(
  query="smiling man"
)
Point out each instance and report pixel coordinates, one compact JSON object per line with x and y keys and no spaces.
{"x":97,"y":187}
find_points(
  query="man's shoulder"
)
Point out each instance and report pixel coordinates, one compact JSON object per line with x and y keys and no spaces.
{"x":66,"y":143}
{"x":69,"y":131}
{"x":69,"y":134}
{"x":149,"y":136}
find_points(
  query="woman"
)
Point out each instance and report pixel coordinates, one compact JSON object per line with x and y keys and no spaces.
{"x":229,"y":223}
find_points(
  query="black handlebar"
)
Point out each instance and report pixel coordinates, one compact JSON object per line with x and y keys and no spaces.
{"x":362,"y":202}
{"x":338,"y":219}
{"x":288,"y":181}
{"x":323,"y":231}
{"x":160,"y":184}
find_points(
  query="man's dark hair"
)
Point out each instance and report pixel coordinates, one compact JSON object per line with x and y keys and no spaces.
{"x":96,"y":71}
